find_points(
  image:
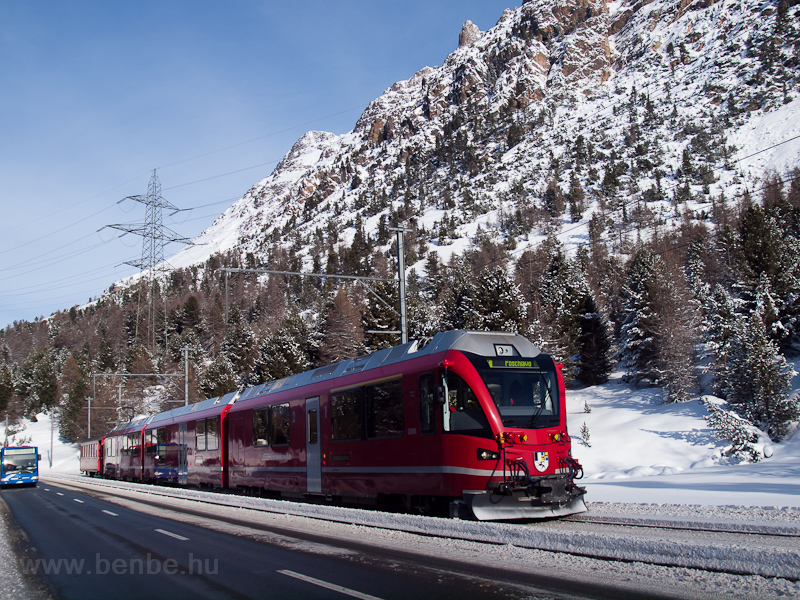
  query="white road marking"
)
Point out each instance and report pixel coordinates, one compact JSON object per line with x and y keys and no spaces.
{"x":172,"y":535}
{"x":113,"y":514}
{"x":59,"y":494}
{"x":329,"y":586}
{"x":80,"y":501}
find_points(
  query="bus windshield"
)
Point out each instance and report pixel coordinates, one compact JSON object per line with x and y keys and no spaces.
{"x":20,"y":462}
{"x":524,"y":398}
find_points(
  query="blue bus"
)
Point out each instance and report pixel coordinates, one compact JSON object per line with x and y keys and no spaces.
{"x":19,"y":465}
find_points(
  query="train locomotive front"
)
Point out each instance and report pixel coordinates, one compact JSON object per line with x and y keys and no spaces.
{"x":505,"y":438}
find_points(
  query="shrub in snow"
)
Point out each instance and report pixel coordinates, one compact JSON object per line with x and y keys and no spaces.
{"x":729,"y":426}
{"x":585,"y":435}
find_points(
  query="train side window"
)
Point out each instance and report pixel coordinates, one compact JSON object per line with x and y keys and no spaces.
{"x":427,"y":403}
{"x":260,"y":427}
{"x":312,"y":426}
{"x":384,"y":403}
{"x":280,"y":421}
{"x":161,"y":435}
{"x":346,"y":415}
{"x":200,"y":434}
{"x":212,"y":433}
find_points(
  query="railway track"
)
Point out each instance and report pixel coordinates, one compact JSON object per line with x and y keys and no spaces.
{"x":744,"y":529}
{"x":735,"y":548}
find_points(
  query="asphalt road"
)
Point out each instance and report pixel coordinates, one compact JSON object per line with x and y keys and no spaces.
{"x":82,"y":547}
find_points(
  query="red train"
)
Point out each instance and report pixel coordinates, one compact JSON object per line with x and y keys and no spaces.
{"x":471,"y":422}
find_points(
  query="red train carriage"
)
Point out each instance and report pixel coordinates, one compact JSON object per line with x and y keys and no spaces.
{"x":123,"y":451}
{"x":185,"y":445}
{"x":473,"y":420}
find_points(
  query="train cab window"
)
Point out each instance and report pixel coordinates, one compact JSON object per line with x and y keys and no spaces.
{"x":524,"y":398}
{"x":346,"y":415}
{"x":279,"y":424}
{"x":261,"y":427}
{"x":427,"y":403}
{"x":462,"y":411}
{"x":384,"y":402}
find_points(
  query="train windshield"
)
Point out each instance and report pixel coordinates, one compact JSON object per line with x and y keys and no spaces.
{"x":20,"y":461}
{"x":524,"y":398}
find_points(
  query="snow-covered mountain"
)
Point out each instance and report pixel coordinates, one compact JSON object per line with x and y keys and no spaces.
{"x":625,"y":98}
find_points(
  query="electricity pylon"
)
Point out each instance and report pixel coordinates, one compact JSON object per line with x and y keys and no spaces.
{"x":152,"y":264}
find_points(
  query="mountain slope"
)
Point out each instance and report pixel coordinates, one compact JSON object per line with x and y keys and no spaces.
{"x":610,"y":93}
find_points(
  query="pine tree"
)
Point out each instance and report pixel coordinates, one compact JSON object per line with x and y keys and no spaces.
{"x":657,"y":334}
{"x":594,"y":344}
{"x":74,"y":378}
{"x":759,"y":379}
{"x":380,"y":315}
{"x":106,"y":362}
{"x":342,"y":335}
{"x":6,"y":387}
{"x":499,"y":306}
{"x":457,"y":302}
{"x":284,"y":353}
{"x":37,"y":382}
{"x":638,"y":343}
{"x":768,"y":254}
{"x":577,"y":199}
{"x":585,"y":435}
{"x":220,"y":378}
{"x":718,"y":330}
{"x":239,"y":345}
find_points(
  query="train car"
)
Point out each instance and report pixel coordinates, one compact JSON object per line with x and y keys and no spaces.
{"x":185,"y":445}
{"x":19,"y":465}
{"x":472,"y":420}
{"x":122,"y":455}
{"x":470,"y":423}
{"x":92,"y":457}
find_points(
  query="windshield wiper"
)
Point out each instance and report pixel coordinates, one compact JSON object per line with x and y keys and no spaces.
{"x":535,"y":416}
{"x":538,"y":411}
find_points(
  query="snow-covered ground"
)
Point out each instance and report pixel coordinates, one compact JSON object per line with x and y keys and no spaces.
{"x":644,"y":451}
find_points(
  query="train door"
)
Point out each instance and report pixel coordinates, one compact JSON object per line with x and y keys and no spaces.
{"x":183,"y":467}
{"x":313,"y":459}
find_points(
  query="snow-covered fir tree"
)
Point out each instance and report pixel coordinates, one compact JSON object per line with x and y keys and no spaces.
{"x":758,"y":379}
{"x":220,"y":378}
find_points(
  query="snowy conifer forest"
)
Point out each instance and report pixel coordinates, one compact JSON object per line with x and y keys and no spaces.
{"x":617,"y":181}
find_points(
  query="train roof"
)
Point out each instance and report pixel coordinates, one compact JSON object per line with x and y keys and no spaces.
{"x":484,"y":343}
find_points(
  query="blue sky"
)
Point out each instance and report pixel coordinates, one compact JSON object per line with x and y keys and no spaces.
{"x":95,"y":95}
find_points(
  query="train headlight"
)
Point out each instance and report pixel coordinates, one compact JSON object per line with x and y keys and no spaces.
{"x":488,"y":454}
